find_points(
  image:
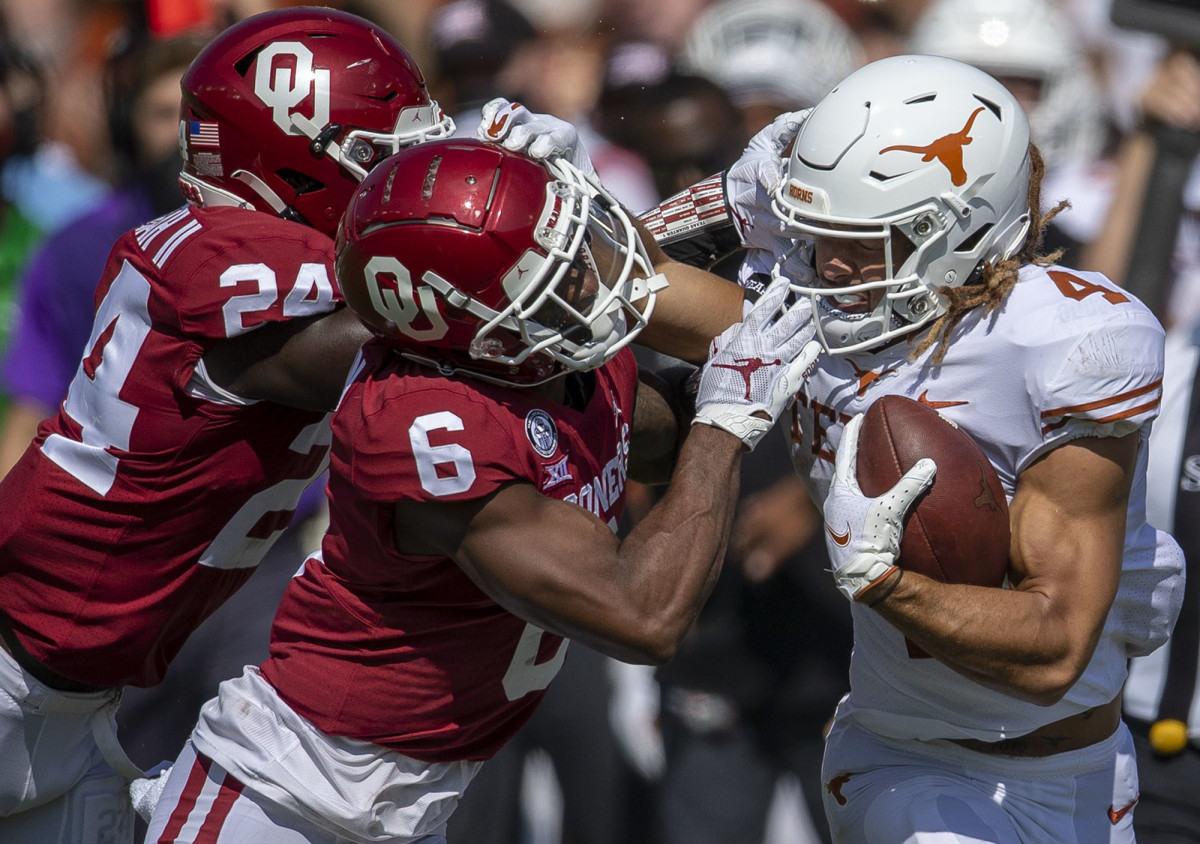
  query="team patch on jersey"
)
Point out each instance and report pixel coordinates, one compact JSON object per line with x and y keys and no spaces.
{"x":542,"y":432}
{"x":555,"y":473}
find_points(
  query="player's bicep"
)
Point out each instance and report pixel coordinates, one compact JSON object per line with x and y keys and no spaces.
{"x":538,"y":557}
{"x":1068,"y":528}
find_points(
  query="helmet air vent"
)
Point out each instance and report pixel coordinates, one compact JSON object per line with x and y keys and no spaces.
{"x":991,"y":105}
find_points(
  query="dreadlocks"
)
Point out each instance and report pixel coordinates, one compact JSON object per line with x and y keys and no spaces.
{"x":995,"y":280}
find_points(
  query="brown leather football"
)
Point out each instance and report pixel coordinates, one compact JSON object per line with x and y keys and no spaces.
{"x":958,"y":531}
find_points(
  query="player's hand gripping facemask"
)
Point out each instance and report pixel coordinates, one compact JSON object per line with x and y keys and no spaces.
{"x":541,"y":136}
{"x":750,"y":183}
{"x":755,"y":367}
{"x":863,"y":534}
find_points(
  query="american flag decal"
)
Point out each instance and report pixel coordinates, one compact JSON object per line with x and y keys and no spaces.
{"x":202,"y":133}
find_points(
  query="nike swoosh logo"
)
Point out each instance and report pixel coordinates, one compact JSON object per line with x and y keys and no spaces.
{"x":928,"y":402}
{"x":497,"y":125}
{"x":1115,"y":815}
{"x":839,"y":539}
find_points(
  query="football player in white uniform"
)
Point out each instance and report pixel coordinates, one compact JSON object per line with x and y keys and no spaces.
{"x":908,"y":212}
{"x":975,"y":713}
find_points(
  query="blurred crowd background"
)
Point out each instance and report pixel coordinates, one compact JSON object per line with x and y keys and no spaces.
{"x":723,"y":744}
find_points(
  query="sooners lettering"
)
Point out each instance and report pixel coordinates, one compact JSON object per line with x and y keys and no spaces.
{"x":601,"y":493}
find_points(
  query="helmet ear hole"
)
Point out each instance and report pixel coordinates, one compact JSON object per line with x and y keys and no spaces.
{"x":971,"y":242}
{"x":298,"y":181}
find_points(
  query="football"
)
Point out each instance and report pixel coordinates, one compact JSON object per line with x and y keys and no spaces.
{"x":957,"y":532}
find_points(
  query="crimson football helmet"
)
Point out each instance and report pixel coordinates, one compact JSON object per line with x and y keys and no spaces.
{"x":287,"y":111}
{"x":475,"y":259}
{"x":928,"y":156}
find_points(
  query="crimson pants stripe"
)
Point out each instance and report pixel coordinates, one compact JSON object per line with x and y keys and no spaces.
{"x":187,"y":801}
{"x":231,"y":788}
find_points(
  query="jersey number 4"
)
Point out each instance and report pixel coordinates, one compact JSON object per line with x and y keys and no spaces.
{"x":1074,"y":287}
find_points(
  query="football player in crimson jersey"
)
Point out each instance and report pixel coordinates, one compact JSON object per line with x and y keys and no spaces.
{"x":478,"y":471}
{"x":199,"y":410}
{"x":975,"y":713}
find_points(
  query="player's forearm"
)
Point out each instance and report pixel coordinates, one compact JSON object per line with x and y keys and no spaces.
{"x":696,"y":307}
{"x":1013,"y":641}
{"x":672,"y":558}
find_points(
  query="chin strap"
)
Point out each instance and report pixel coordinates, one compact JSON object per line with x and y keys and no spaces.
{"x":262,"y":189}
{"x":201,"y":193}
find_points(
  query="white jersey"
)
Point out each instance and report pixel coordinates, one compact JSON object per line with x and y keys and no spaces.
{"x":1068,"y":355}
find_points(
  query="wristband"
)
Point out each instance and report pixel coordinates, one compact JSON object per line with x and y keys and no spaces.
{"x":890,"y":589}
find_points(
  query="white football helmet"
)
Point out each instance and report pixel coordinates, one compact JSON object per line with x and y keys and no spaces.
{"x":917,"y":147}
{"x":790,"y":51}
{"x":1029,"y":39}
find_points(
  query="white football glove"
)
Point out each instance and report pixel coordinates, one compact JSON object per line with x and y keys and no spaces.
{"x":756,"y":366}
{"x":863,"y":534}
{"x":751,"y":181}
{"x":633,"y":715}
{"x":145,"y":791}
{"x":541,"y":136}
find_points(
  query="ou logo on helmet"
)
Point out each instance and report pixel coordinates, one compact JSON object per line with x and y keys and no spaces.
{"x":403,"y":305}
{"x":283,"y":87}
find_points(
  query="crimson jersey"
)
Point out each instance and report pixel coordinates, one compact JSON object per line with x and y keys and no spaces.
{"x":406,"y":651}
{"x":152,"y":495}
